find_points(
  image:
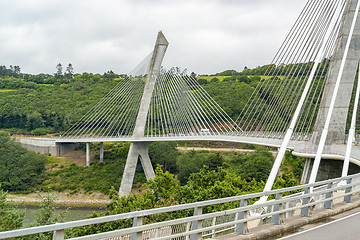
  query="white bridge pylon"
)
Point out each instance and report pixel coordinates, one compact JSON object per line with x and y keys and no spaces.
{"x":152,"y":102}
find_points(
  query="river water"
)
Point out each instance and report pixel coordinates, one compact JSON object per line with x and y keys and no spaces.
{"x":71,"y":215}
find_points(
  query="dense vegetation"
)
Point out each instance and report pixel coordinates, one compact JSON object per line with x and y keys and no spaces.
{"x":297,"y":69}
{"x":10,"y":217}
{"x":50,"y":108}
{"x":98,"y":177}
{"x":20,"y":169}
{"x":13,"y":218}
{"x":204,"y":175}
{"x":163,"y":190}
{"x":24,"y":171}
{"x":255,"y":165}
{"x":166,"y":190}
{"x":248,"y":166}
{"x":44,"y":103}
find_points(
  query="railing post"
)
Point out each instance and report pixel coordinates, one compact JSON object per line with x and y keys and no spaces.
{"x":137,"y":235}
{"x":213,"y":232}
{"x":347,"y":198}
{"x":101,"y":152}
{"x":329,"y":204}
{"x":58,"y":235}
{"x":196,"y":224}
{"x":306,"y":200}
{"x":187,"y":229}
{"x":241,"y":228}
{"x":275,"y":219}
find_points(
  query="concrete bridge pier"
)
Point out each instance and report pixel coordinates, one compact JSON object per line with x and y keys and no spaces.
{"x":88,"y":154}
{"x":336,"y":130}
{"x":101,"y":152}
{"x":138,"y":150}
{"x":88,"y":158}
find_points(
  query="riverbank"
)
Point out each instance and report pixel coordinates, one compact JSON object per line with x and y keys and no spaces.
{"x":78,"y":200}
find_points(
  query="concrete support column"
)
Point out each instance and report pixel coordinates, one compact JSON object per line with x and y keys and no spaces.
{"x":136,"y":151}
{"x":101,"y":152}
{"x":336,"y":130}
{"x":146,"y":162}
{"x":129,"y":171}
{"x":88,"y":154}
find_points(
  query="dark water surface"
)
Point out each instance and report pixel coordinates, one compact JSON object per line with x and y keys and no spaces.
{"x":76,"y":213}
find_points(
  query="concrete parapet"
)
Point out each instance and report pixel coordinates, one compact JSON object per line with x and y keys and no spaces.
{"x":46,"y":145}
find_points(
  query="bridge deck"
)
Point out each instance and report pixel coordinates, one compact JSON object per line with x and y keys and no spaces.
{"x":224,"y":138}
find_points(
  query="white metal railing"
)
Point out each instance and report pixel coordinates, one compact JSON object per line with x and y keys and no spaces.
{"x":236,"y":220}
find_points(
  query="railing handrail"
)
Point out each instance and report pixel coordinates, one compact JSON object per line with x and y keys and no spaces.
{"x":209,"y":215}
{"x":142,"y":213}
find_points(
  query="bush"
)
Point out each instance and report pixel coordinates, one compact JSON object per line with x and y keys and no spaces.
{"x":98,"y":177}
{"x":20,"y":169}
{"x":165,"y":154}
{"x":42,"y":131}
{"x":10,"y":217}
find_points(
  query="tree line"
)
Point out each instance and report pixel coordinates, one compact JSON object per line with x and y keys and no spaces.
{"x":60,"y":75}
{"x":296,"y":69}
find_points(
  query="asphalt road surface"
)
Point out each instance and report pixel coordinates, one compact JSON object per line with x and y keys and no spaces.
{"x":347,"y":228}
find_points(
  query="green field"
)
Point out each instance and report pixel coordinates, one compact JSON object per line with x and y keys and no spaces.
{"x":211,"y":77}
{"x":8,"y":90}
{"x":221,"y":78}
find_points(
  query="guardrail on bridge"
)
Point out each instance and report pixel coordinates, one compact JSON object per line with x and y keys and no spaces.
{"x":209,"y":225}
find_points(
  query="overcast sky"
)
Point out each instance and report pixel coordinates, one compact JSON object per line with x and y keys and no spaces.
{"x":205,"y":36}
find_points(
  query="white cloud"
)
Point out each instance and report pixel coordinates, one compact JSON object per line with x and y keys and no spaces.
{"x":206,"y":36}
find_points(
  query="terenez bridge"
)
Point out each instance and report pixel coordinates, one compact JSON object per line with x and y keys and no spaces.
{"x":306,"y":102}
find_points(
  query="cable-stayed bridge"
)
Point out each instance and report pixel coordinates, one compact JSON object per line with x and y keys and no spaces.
{"x":307,"y":101}
{"x":303,"y":102}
